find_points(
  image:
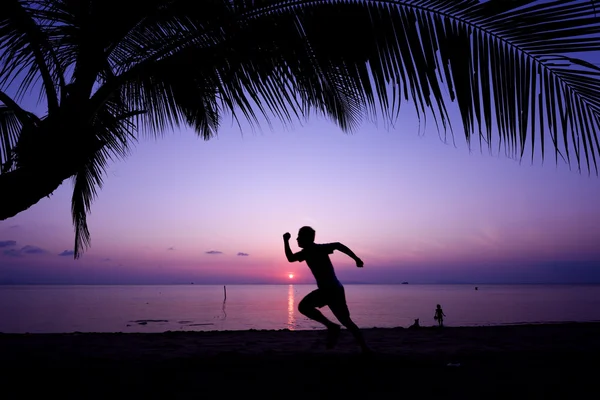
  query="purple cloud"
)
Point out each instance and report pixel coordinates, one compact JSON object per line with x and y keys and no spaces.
{"x":214,"y":252}
{"x":7,"y":243}
{"x":242,"y":254}
{"x":28,"y":249}
{"x":67,"y":253}
{"x":12,"y":253}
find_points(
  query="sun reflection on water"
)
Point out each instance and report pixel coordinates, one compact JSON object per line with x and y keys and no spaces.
{"x":291,"y":317}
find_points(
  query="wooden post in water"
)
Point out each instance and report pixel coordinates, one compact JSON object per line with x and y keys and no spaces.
{"x":224,"y":301}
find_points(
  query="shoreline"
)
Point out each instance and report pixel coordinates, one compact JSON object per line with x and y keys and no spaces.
{"x":490,"y":325}
{"x":517,"y":361}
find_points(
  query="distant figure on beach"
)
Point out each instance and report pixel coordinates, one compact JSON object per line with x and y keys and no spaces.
{"x":415,"y":325}
{"x":439,"y":316}
{"x":330,"y":291}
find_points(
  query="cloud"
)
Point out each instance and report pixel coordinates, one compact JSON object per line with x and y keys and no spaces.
{"x":28,"y":249}
{"x":171,"y":248}
{"x":12,"y":253}
{"x":214,"y":252}
{"x":243,"y":254}
{"x":67,"y":253}
{"x":32,"y":250}
{"x":7,"y":243}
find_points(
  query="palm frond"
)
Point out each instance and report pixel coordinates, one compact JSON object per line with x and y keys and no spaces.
{"x":13,"y":120}
{"x":9,"y":131}
{"x":84,"y":192}
{"x":26,"y":52}
{"x":496,"y":60}
{"x":22,"y":115}
{"x":114,"y":134}
{"x":230,"y":71}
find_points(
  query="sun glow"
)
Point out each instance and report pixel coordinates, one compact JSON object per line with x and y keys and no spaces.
{"x":291,"y":276}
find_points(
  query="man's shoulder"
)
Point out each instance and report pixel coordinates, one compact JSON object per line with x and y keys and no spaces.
{"x":326,"y":244}
{"x":328,"y":247}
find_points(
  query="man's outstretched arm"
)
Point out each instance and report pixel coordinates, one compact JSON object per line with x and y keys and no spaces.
{"x":291,"y":257}
{"x":349,"y":253}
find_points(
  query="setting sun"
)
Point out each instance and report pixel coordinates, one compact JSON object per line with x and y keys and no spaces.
{"x":291,"y":276}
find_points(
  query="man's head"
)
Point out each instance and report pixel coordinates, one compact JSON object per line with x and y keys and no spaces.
{"x":306,"y":236}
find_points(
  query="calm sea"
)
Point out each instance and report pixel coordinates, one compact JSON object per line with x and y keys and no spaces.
{"x":46,"y":309}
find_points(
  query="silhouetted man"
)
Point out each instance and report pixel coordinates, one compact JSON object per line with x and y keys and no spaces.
{"x":330,"y":291}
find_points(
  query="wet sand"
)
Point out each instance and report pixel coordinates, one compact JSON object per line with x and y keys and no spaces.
{"x":519,"y":361}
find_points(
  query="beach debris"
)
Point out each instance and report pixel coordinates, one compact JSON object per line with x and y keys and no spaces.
{"x":145,"y":321}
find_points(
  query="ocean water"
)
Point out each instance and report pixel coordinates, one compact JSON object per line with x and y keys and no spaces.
{"x":54,"y":309}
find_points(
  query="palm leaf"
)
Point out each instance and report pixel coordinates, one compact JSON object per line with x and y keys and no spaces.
{"x":113,"y":133}
{"x":9,"y":131}
{"x":496,"y":60}
{"x":26,"y":51}
{"x":13,"y":120}
{"x":84,"y":192}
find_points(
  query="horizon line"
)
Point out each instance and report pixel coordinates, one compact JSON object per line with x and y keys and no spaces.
{"x":298,"y":284}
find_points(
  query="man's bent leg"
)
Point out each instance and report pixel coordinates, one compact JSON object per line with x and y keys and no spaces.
{"x":308,"y":307}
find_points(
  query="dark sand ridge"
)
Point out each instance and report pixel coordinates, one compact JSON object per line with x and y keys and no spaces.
{"x":518,"y":361}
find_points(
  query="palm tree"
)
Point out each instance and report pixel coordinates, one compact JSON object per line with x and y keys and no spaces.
{"x":111,"y":70}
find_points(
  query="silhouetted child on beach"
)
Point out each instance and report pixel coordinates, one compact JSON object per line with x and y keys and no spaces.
{"x":330,"y":291}
{"x":439,"y":316}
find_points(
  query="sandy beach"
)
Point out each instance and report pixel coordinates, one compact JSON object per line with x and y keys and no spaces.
{"x":519,"y":361}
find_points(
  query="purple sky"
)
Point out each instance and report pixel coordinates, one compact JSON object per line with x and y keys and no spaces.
{"x":182,"y":210}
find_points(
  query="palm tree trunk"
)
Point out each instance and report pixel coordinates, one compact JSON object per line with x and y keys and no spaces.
{"x":24,"y":187}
